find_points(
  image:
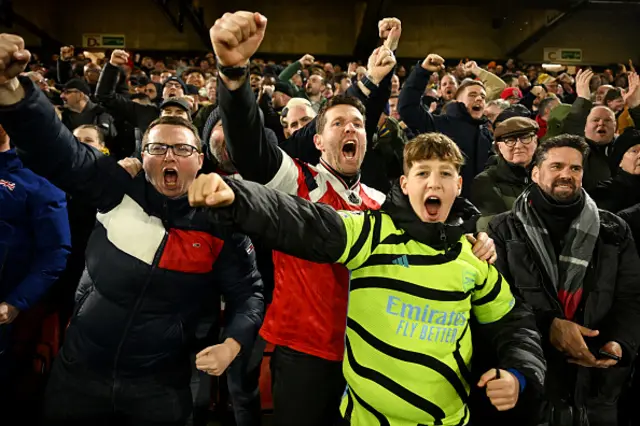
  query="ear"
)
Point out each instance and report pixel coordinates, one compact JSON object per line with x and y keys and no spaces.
{"x":459,"y":185}
{"x":317,"y":140}
{"x":200,"y":160}
{"x":535,"y":174}
{"x":403,"y":185}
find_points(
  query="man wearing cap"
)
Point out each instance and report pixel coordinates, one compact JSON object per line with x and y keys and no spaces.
{"x":80,"y":110}
{"x":495,"y":190}
{"x":176,"y":107}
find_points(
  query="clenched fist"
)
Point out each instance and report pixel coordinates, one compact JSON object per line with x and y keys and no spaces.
{"x":433,"y":63}
{"x":13,"y":57}
{"x":471,"y":68}
{"x":237,"y":36}
{"x":133,"y":166}
{"x":381,"y":62}
{"x":307,"y":60}
{"x":503,"y":388}
{"x":389,"y":30}
{"x":214,"y":360}
{"x":210,"y":190}
{"x":119,"y":58}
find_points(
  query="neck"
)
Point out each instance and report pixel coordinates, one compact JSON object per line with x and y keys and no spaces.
{"x":4,"y":144}
{"x":350,"y":180}
{"x":315,"y":98}
{"x":79,"y":107}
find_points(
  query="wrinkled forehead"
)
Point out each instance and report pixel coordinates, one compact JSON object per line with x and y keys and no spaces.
{"x":171,"y":135}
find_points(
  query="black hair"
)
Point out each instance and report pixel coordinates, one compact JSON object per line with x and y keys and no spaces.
{"x":561,"y":141}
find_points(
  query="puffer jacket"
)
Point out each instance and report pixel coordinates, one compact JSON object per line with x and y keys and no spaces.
{"x":610,"y":304}
{"x":152,"y":262}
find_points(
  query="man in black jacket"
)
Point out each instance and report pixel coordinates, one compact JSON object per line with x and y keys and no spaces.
{"x":577,"y":266}
{"x":152,"y":262}
{"x":462,"y":120}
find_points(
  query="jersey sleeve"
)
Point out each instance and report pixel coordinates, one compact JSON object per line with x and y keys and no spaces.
{"x":359,"y":228}
{"x":287,"y":177}
{"x":492,"y":298}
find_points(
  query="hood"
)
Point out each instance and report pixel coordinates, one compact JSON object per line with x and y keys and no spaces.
{"x":459,"y":110}
{"x":10,"y":161}
{"x":462,"y":220}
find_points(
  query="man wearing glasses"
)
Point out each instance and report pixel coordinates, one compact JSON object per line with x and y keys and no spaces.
{"x":495,"y":190}
{"x":152,"y":263}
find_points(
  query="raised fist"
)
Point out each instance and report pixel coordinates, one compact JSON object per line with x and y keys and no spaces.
{"x":307,"y":60}
{"x":119,"y":58}
{"x":13,"y":57}
{"x":381,"y":62}
{"x":66,"y":53}
{"x":210,"y":190}
{"x":237,"y":36}
{"x":433,"y":63}
{"x":390,"y":30}
{"x":471,"y":68}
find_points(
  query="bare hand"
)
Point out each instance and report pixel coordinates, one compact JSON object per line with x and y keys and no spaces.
{"x":8,"y":313}
{"x":583,"y":81}
{"x":381,"y":62}
{"x":389,"y":30}
{"x":471,"y":68}
{"x":131,"y":165}
{"x":66,"y":53}
{"x":210,"y":190}
{"x":307,"y":60}
{"x":539,"y":91}
{"x":502,"y":391}
{"x":632,"y":98}
{"x":613,"y":348}
{"x":352,"y":68}
{"x":484,"y":248}
{"x":13,"y":57}
{"x":237,"y":36}
{"x":567,"y":336}
{"x":433,"y":63}
{"x":268,"y":90}
{"x":119,"y":58}
{"x":214,"y":360}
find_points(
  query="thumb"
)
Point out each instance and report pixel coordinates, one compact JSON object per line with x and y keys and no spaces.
{"x":261,"y":20}
{"x":588,"y":332}
{"x":487,"y":377}
{"x":204,"y":352}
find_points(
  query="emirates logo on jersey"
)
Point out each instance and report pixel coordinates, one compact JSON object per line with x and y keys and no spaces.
{"x":9,"y":185}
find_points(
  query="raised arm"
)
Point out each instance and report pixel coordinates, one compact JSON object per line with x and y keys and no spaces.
{"x":576,"y":120}
{"x":254,"y":158}
{"x":410,"y":107}
{"x":492,"y":82}
{"x":44,"y":144}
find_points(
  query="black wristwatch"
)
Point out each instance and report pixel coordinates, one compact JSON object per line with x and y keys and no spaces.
{"x":368,"y":83}
{"x":233,"y":73}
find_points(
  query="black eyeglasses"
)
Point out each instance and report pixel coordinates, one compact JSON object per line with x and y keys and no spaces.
{"x":180,"y":149}
{"x":526,"y":140}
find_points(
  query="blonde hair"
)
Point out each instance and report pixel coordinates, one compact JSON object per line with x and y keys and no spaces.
{"x":429,"y":146}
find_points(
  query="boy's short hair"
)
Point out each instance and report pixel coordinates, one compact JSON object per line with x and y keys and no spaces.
{"x":429,"y":146}
{"x":99,"y":132}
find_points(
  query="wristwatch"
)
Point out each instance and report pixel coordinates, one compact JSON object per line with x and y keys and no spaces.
{"x":368,"y":83}
{"x":233,"y":73}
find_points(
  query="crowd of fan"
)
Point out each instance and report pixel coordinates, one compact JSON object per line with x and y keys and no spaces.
{"x":498,"y":115}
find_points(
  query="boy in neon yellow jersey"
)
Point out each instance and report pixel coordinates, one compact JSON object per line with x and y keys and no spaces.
{"x":415,"y":286}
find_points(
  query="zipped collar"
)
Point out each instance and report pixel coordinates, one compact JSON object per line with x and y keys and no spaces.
{"x":440,"y":236}
{"x":349,"y":182}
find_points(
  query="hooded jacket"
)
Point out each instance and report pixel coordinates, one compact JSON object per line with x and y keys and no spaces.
{"x":34,"y":233}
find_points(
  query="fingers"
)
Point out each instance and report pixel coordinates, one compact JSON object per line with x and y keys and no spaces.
{"x":587,"y":332}
{"x":487,"y":377}
{"x":204,"y":352}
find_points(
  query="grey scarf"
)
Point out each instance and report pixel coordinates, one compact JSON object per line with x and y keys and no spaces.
{"x":568,"y":272}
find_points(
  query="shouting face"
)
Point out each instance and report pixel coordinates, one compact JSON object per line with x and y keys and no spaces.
{"x":601,"y":125}
{"x":432,"y":186}
{"x":343,"y":141}
{"x":173,"y":172}
{"x":560,"y":174}
{"x":474,"y":98}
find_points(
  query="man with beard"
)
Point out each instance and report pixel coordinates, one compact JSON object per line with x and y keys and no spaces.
{"x":462,"y":120}
{"x":577,"y":267}
{"x":314,"y":89}
{"x":307,"y":318}
{"x":80,"y":110}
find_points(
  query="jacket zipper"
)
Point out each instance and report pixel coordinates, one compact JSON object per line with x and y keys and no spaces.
{"x":136,"y":306}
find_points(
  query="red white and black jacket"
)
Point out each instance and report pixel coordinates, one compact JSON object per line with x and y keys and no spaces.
{"x":152,"y":261}
{"x":309,"y":308}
